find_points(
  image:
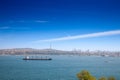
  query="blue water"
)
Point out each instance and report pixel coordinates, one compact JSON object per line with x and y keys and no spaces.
{"x":60,"y":68}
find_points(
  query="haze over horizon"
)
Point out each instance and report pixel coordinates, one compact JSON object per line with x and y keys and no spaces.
{"x":66,"y":24}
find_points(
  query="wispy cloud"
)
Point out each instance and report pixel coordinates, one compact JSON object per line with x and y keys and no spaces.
{"x":4,"y":27}
{"x":20,"y":28}
{"x":14,"y":28}
{"x":98,"y":34}
{"x":41,"y":21}
{"x":17,"y":21}
{"x":28,"y":21}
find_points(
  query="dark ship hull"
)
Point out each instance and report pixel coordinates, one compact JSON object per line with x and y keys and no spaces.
{"x":36,"y":59}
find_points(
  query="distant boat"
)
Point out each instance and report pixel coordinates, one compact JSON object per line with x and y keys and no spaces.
{"x":105,"y":55}
{"x":36,"y":58}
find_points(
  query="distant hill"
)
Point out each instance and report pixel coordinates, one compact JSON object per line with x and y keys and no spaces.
{"x":31,"y":51}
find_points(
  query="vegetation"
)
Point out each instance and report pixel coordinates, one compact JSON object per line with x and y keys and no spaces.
{"x":103,"y":78}
{"x":111,"y":78}
{"x":85,"y":75}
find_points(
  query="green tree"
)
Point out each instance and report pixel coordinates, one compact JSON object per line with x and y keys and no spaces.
{"x":111,"y":78}
{"x":85,"y":75}
{"x":103,"y":78}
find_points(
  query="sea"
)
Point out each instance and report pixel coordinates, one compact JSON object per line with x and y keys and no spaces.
{"x":61,"y":67}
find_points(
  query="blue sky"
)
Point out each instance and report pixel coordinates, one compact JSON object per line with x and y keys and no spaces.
{"x":34,"y":23}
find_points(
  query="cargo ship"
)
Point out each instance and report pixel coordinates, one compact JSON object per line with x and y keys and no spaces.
{"x":36,"y":58}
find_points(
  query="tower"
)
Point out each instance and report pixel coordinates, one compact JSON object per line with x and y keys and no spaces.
{"x":50,"y":46}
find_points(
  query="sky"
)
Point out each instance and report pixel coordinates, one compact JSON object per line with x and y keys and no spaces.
{"x":64,"y":24}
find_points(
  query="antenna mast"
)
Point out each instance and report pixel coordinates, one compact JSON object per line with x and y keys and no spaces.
{"x":50,"y":46}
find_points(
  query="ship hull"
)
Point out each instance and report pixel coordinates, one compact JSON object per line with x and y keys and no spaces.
{"x":36,"y":59}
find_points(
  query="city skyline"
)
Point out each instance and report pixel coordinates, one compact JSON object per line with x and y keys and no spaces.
{"x":66,"y":24}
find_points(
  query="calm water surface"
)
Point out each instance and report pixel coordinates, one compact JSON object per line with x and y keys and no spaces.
{"x":60,"y":68}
